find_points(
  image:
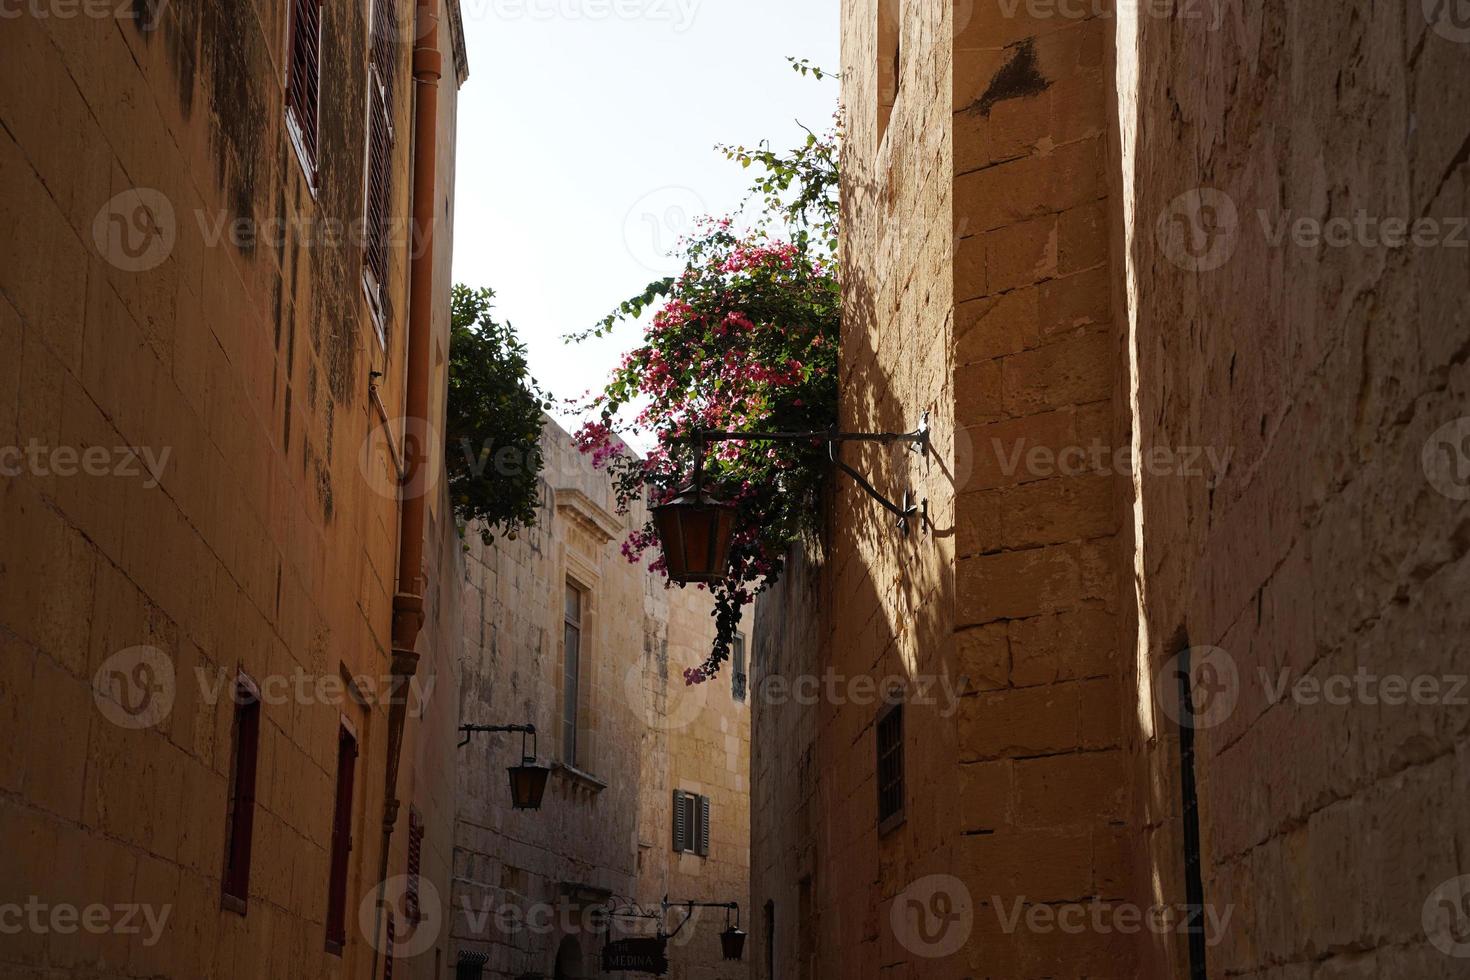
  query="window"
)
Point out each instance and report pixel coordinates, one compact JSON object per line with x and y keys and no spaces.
{"x":240,"y":831}
{"x":770,"y":928}
{"x":571,"y":676}
{"x":890,"y":768}
{"x":737,"y":664}
{"x":471,"y":966}
{"x":382,"y":73}
{"x":691,"y":823}
{"x":341,"y":841}
{"x":303,"y":82}
{"x":890,"y":63}
{"x":1194,"y":886}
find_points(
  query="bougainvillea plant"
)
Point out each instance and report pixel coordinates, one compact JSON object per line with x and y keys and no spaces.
{"x":744,"y":339}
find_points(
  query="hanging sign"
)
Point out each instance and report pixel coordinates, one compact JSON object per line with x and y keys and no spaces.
{"x":636,"y":956}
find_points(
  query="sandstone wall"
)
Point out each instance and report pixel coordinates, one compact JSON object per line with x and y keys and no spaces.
{"x":134,"y":313}
{"x":604,"y":834}
{"x":1206,"y":358}
{"x":1328,"y":368}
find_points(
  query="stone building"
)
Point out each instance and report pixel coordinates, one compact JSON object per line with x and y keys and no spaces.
{"x":215,"y":313}
{"x":1152,"y":719}
{"x":560,"y":631}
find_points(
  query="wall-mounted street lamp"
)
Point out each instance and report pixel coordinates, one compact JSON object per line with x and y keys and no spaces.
{"x":732,"y":940}
{"x":527,"y":780}
{"x":695,"y":529}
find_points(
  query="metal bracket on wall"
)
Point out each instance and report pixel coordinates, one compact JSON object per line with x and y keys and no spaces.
{"x":918,"y":441}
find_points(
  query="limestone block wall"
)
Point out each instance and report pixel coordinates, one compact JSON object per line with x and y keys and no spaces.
{"x":1043,"y":519}
{"x":698,"y":740}
{"x":524,"y":880}
{"x":166,"y":288}
{"x":1302,"y":306}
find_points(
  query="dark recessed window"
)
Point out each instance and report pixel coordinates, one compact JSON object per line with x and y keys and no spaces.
{"x":341,"y":841}
{"x":471,"y":966}
{"x":1194,"y":883}
{"x":737,"y":667}
{"x":303,"y":82}
{"x":571,"y":674}
{"x":240,"y":830}
{"x":890,"y":768}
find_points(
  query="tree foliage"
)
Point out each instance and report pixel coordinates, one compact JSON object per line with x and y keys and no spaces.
{"x":492,"y":439}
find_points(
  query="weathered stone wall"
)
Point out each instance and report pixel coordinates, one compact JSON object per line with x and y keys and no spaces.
{"x":1042,"y":567}
{"x":1326,"y":367}
{"x":697,"y":740}
{"x":135,"y":313}
{"x":524,"y":880}
{"x":785,"y":849}
{"x":1208,"y":349}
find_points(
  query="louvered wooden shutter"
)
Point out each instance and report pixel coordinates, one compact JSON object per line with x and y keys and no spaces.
{"x":415,"y":854}
{"x":702,"y":839}
{"x":680,"y":822}
{"x":303,"y":86}
{"x":381,"y":75}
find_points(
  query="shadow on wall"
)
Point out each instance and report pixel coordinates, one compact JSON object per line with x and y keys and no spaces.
{"x":1327,"y":360}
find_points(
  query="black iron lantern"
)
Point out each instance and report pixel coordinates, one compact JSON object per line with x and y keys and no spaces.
{"x":695,"y":531}
{"x":527,"y":780}
{"x":732,"y":941}
{"x":528,"y":784}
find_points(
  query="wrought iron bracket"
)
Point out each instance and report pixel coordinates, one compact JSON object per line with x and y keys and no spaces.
{"x":524,"y":730}
{"x":689,"y":908}
{"x":918,"y":441}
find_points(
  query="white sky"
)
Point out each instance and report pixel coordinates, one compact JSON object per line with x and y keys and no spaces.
{"x":586,"y":145}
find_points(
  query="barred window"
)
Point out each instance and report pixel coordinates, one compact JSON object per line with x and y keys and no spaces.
{"x":303,"y":82}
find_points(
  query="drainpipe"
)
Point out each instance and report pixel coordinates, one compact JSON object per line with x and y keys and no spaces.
{"x":408,"y":602}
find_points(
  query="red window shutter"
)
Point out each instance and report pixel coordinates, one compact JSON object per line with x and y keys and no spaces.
{"x":241,"y":827}
{"x":341,"y":840}
{"x":388,"y":949}
{"x":303,"y":80}
{"x":415,"y":854}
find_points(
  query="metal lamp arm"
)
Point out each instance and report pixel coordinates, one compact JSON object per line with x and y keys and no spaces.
{"x":834,"y":439}
{"x":524,"y":730}
{"x":689,"y":908}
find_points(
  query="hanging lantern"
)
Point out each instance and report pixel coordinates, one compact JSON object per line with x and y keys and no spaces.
{"x":528,"y":784}
{"x":527,"y":780}
{"x":695,"y":530}
{"x":732,"y":941}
